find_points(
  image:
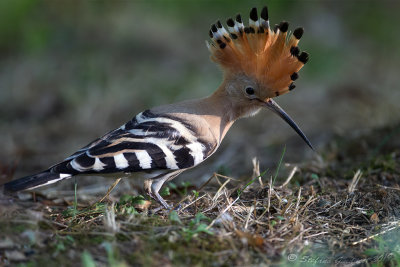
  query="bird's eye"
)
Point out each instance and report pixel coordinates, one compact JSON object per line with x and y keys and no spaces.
{"x":250,"y":90}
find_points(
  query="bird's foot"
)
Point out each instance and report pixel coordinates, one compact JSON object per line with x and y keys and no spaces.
{"x":163,"y":202}
{"x":159,"y":199}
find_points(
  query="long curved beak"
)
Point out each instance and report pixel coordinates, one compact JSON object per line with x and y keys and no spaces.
{"x":272,"y":105}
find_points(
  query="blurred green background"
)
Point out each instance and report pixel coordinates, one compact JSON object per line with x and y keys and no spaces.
{"x":73,"y":70}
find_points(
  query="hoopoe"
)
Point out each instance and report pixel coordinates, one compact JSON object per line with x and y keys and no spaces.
{"x":160,"y":143}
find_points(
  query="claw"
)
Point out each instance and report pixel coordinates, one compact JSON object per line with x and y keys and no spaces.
{"x":162,"y":201}
{"x":159,"y":199}
{"x":152,"y":186}
{"x":178,"y":207}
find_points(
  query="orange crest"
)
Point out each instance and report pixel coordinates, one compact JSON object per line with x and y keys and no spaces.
{"x":270,"y":56}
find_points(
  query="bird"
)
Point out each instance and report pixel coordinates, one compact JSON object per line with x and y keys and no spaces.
{"x":258,"y":63}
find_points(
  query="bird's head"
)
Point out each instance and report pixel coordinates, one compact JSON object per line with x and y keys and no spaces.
{"x":258,"y":63}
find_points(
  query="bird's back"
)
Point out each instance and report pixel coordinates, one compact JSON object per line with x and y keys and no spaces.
{"x":147,"y":142}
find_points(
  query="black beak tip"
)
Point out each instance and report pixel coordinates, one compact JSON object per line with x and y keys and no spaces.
{"x":310,"y":145}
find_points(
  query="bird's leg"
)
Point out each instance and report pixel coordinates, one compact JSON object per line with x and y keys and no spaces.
{"x":147,"y":187}
{"x":154,"y":185}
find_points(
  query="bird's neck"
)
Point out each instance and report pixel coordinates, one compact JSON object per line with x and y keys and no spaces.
{"x":224,"y":110}
{"x":219,"y":111}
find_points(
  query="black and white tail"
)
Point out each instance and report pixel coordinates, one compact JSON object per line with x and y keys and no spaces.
{"x":33,"y":181}
{"x":148,"y":142}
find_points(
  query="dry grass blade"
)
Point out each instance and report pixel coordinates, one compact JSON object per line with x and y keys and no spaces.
{"x":109,"y":191}
{"x":317,"y":234}
{"x":388,"y":187}
{"x":354,"y":181}
{"x":396,"y":226}
{"x":191,"y":203}
{"x":269,"y":194}
{"x":217,"y":195}
{"x":109,"y":219}
{"x":292,"y":173}
{"x":206,"y":182}
{"x":248,"y":217}
{"x":298,"y":200}
{"x":240,"y":192}
{"x":256,"y":170}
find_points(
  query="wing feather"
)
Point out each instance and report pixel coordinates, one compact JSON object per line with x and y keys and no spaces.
{"x":147,"y":142}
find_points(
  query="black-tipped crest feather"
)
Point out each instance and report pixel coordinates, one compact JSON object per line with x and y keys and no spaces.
{"x":230,"y":22}
{"x":284,"y":26}
{"x":253,"y":14}
{"x":239,"y":18}
{"x":303,"y":57}
{"x":264,"y":13}
{"x":298,"y":33}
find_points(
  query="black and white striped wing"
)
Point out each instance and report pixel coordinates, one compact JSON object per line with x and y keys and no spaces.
{"x":147,"y":142}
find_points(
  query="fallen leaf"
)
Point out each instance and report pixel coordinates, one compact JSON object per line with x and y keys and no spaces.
{"x":143,"y":205}
{"x":374,"y":218}
{"x":254,"y":240}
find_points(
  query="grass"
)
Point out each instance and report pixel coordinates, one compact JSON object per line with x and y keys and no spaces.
{"x":75,"y":197}
{"x":333,"y":210}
